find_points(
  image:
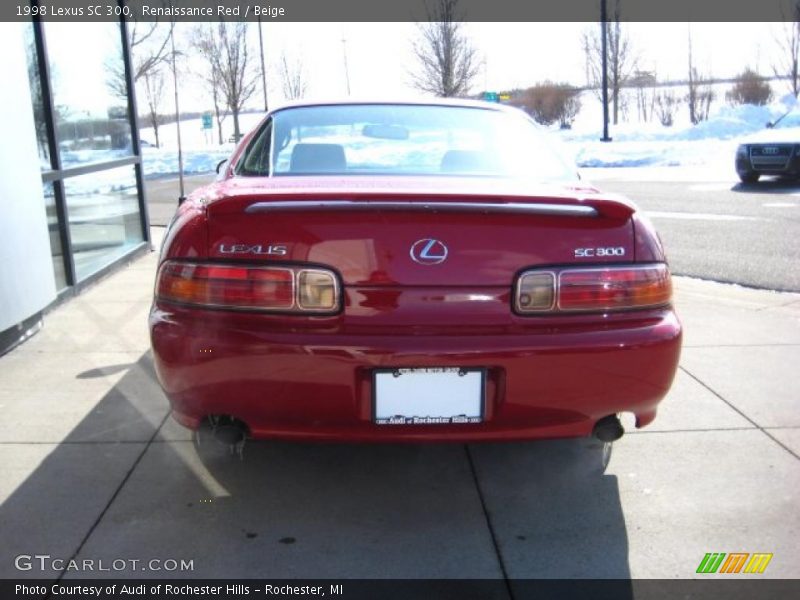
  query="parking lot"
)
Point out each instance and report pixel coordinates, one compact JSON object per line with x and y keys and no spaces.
{"x":96,"y":469}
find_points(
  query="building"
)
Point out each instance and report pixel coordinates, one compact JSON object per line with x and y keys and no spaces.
{"x":71,"y":192}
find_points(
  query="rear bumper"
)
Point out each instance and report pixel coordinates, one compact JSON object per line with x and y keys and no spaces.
{"x":317,"y":385}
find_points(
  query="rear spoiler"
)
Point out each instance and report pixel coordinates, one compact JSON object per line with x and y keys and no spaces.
{"x":588,"y":208}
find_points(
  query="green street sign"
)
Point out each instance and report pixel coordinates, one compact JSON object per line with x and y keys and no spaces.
{"x":207,"y":124}
{"x":491,"y":97}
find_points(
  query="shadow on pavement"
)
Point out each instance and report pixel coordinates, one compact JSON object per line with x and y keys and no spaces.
{"x":769,"y":186}
{"x":556,"y":513}
{"x":60,"y":491}
{"x":298,"y":510}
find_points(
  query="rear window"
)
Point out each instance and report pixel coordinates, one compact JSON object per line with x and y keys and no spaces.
{"x":382,"y":139}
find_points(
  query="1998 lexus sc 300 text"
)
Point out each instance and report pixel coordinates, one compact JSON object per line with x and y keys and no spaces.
{"x":424,"y":271}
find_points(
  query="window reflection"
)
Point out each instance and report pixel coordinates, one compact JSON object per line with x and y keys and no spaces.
{"x":89,"y":92}
{"x":104,"y":218}
{"x":56,"y":249}
{"x":37,"y":98}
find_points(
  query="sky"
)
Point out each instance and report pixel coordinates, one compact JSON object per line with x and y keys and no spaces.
{"x":514,"y":55}
{"x":380,"y":59}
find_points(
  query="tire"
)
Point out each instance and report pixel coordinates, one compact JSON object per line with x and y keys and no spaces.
{"x":749,"y":177}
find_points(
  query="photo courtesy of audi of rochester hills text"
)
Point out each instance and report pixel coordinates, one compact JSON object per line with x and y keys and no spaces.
{"x":376,"y":300}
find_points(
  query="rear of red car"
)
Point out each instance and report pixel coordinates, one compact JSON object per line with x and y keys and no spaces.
{"x":322,"y":300}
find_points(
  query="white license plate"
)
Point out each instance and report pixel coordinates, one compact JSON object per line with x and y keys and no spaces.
{"x":432,"y":396}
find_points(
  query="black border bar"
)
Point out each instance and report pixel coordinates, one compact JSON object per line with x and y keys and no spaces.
{"x":743,"y":587}
{"x":397,"y":10}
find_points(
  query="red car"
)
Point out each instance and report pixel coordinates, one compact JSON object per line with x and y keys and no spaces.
{"x":410,"y":272}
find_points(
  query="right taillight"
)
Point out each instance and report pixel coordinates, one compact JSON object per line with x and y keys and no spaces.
{"x":239,"y":287}
{"x":593,"y":289}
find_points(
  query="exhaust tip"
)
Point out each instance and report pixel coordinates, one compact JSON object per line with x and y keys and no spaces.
{"x":226,"y":434}
{"x":608,"y":429}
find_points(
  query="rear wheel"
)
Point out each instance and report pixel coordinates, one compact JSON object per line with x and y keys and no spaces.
{"x":749,"y":177}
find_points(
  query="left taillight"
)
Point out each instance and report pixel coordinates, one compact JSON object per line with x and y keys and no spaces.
{"x":239,"y":287}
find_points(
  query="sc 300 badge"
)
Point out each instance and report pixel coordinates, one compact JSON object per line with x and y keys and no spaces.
{"x":599,"y":252}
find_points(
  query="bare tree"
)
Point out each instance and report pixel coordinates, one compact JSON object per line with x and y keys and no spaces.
{"x":209,"y":75}
{"x":149,"y":52}
{"x":644,"y":83}
{"x":225,"y":49}
{"x":213,"y":84}
{"x":152,"y":82}
{"x":788,"y":42}
{"x":292,"y":77}
{"x":700,"y":94}
{"x":666,"y":103}
{"x":621,"y":58}
{"x":148,"y":46}
{"x":447,"y":60}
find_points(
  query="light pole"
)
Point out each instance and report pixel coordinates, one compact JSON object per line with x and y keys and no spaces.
{"x":604,"y":38}
{"x":263,"y":70}
{"x":346,"y":70}
{"x":182,"y":195}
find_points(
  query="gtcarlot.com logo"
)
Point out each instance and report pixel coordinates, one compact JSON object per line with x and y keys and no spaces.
{"x":45,"y":562}
{"x":734,"y":562}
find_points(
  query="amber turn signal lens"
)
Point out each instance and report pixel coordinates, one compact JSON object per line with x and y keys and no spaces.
{"x":316,"y":290}
{"x":536,"y":292}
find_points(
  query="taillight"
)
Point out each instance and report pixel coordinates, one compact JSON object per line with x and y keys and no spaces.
{"x":594,"y":289}
{"x":285,"y":289}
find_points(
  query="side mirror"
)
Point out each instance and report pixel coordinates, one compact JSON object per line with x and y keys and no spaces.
{"x":770,"y":125}
{"x":219,"y":165}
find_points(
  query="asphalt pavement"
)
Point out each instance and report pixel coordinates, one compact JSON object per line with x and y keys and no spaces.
{"x":162,"y":195}
{"x":94,"y":468}
{"x":725,"y":231}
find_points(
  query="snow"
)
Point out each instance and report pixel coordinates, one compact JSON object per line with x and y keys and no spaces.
{"x":201,"y":149}
{"x":684,"y":151}
{"x":691,"y":152}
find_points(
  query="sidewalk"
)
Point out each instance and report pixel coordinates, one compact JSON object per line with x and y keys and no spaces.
{"x":92,"y":467}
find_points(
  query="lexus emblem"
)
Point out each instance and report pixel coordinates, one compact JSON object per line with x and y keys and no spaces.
{"x":428,"y":252}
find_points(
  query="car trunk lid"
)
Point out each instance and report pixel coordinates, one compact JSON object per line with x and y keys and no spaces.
{"x":412,"y":232}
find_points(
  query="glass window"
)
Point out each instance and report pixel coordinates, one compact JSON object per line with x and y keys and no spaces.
{"x":90,"y":95}
{"x":56,"y":249}
{"x":104,"y":220}
{"x":37,"y":98}
{"x":385,"y":139}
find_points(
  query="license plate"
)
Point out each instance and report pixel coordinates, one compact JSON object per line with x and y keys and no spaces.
{"x":428,"y":396}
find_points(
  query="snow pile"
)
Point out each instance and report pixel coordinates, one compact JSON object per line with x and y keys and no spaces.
{"x":161,"y":162}
{"x":710,"y":143}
